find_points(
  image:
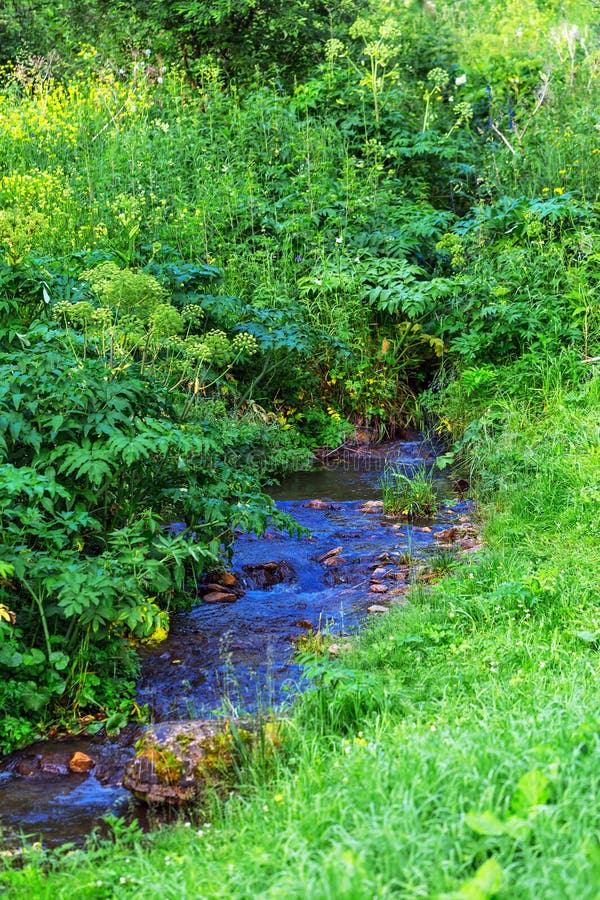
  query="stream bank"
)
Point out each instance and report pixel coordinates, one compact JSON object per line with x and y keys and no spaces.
{"x":237,"y":658}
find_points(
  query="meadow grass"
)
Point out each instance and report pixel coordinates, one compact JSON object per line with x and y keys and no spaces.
{"x":459,"y":729}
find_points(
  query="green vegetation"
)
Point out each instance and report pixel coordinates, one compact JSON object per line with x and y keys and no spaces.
{"x":220,"y":249}
{"x":412,"y":496}
{"x":460,"y":731}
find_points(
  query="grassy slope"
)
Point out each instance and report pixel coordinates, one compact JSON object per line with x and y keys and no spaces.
{"x":438,"y":712}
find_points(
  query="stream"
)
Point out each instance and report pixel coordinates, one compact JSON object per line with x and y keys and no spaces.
{"x":234,"y":658}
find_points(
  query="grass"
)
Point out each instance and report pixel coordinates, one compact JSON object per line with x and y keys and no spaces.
{"x":450,"y":720}
{"x":413,"y":497}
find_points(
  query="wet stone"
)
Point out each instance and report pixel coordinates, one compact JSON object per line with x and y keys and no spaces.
{"x":28,"y":767}
{"x":372,"y":506}
{"x":228,"y":579}
{"x":219,"y":597}
{"x":54,"y":763}
{"x":329,"y":555}
{"x":176,"y":761}
{"x":81,"y":762}
{"x":265,"y":575}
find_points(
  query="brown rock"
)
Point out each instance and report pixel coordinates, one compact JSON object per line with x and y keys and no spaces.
{"x":371,"y":506}
{"x":265,"y":575}
{"x":329,"y":554}
{"x":378,"y":588}
{"x":81,"y":762}
{"x":333,"y":562}
{"x":449,"y":534}
{"x":219,"y":597}
{"x":472,"y":546}
{"x":228,"y":579}
{"x":28,"y":766}
{"x":321,"y":504}
{"x":377,"y":609}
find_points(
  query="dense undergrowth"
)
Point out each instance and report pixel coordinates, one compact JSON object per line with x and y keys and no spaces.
{"x":218,"y":252}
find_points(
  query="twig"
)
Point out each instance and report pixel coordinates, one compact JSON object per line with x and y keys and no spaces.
{"x":507,"y":142}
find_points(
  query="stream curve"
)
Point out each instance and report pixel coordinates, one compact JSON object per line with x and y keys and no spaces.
{"x":235,"y":658}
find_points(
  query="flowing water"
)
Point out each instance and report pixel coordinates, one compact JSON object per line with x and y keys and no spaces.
{"x":237,"y":657}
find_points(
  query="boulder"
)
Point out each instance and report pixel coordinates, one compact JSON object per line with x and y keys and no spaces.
{"x":228,"y":579}
{"x":54,"y":762}
{"x":377,"y":609}
{"x":28,"y":766}
{"x":321,"y":504}
{"x":176,"y":762}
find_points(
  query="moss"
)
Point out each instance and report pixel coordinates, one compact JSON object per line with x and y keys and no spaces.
{"x":184,"y":741}
{"x":167,"y":766}
{"x":222,"y":752}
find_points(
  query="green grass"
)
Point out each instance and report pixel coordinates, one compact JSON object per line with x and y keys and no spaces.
{"x":459,"y":704}
{"x":413,"y":497}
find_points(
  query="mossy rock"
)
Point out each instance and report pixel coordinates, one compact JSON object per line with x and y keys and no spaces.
{"x":176,"y":762}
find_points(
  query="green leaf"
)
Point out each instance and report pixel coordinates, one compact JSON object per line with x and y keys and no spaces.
{"x":10,"y":657}
{"x":59,"y":660}
{"x":486,"y":882}
{"x":485,"y":823}
{"x":34,"y":697}
{"x":115,"y":722}
{"x":517,"y":828}
{"x":34,"y":657}
{"x":532,"y":791}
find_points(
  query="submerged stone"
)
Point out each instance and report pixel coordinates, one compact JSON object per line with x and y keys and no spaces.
{"x":265,"y":575}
